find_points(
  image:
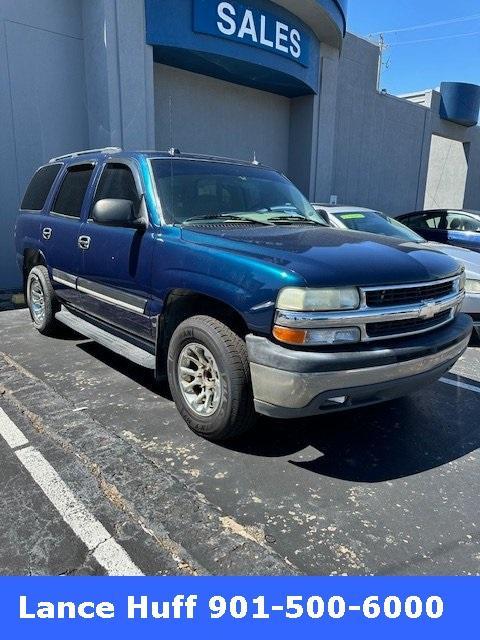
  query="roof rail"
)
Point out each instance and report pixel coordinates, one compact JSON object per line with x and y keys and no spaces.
{"x":208,"y":156}
{"x":86,"y":152}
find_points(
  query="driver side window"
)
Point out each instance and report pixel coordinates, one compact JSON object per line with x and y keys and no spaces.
{"x":117,"y":182}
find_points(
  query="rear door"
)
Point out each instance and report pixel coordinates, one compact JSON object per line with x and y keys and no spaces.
{"x":117,"y":264}
{"x":36,"y":201}
{"x":62,"y":228}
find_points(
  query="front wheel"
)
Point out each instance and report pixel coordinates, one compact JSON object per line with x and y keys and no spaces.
{"x":41,"y":301}
{"x":209,"y":377}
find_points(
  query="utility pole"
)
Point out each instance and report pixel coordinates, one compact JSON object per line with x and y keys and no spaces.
{"x":383,"y":48}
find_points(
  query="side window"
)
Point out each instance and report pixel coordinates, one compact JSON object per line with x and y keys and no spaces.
{"x":435,"y":222}
{"x":72,"y":192}
{"x":421,"y":222}
{"x":117,"y":181}
{"x":39,"y":187}
{"x":461,"y":222}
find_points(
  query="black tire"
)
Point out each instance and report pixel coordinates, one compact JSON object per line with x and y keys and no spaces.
{"x":44,"y":323}
{"x":235,"y":413}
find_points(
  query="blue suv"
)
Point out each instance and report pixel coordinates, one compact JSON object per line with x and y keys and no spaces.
{"x":219,"y":275}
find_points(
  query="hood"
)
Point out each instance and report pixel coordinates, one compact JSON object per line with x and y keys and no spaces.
{"x":469,"y":259}
{"x":328,"y":257}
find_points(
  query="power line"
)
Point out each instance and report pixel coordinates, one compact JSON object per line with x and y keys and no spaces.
{"x":427,"y":25}
{"x":457,"y":35}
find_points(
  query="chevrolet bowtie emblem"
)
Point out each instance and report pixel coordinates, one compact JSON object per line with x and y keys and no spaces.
{"x":428,"y":311}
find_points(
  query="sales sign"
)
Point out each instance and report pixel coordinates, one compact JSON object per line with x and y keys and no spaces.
{"x":253,"y":27}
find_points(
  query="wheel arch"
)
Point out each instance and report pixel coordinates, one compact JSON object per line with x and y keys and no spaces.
{"x":181,"y":304}
{"x":32,"y":258}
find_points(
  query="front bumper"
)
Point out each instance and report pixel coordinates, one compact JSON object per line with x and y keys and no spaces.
{"x":290,"y":383}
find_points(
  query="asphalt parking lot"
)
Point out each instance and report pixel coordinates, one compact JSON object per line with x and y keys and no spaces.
{"x":388,"y":490}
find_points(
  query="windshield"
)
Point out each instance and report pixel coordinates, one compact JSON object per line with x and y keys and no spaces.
{"x":376,"y":222}
{"x":193,"y":191}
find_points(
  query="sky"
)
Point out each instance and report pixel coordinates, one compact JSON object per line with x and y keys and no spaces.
{"x":421,"y":57}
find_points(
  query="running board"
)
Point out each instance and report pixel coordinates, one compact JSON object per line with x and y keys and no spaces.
{"x":115,"y":344}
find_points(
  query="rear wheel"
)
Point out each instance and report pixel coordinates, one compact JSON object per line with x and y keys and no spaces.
{"x":41,"y":301}
{"x":209,"y":377}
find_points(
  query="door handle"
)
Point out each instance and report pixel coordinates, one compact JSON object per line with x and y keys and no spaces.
{"x":84,"y":242}
{"x":47,"y":233}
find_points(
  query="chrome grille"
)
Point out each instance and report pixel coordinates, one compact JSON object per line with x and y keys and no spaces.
{"x":399,"y":327}
{"x":409,"y":295}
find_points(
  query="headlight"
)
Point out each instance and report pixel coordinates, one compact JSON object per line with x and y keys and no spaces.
{"x":334,"y":299}
{"x":472,"y":286}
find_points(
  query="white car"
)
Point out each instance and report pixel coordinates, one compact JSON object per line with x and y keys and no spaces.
{"x":370,"y":221}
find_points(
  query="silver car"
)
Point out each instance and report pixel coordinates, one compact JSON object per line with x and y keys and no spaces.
{"x":370,"y":221}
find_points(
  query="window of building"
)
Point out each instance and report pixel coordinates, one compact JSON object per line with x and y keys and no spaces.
{"x":70,"y":198}
{"x":39,"y":187}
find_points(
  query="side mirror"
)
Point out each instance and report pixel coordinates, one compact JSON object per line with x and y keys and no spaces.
{"x":117,"y":213}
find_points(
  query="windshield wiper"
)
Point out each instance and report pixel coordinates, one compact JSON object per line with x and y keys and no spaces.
{"x":226,"y":217}
{"x":297,"y":219}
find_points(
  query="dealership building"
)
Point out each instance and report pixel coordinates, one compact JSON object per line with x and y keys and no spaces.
{"x":280,"y":81}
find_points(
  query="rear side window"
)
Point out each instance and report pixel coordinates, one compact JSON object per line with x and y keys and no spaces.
{"x":39,"y":187}
{"x":117,"y":181}
{"x":72,"y":192}
{"x":422,"y":222}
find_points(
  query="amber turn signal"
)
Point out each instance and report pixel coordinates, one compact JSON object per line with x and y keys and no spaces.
{"x":290,"y":336}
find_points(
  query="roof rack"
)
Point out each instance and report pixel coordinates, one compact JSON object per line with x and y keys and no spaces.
{"x":87,"y":152}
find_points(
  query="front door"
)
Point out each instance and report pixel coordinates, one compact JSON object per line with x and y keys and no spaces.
{"x":463,"y":230}
{"x":117,"y":263}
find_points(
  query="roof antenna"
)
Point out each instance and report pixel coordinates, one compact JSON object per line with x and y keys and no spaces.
{"x":255,"y":161}
{"x":172,"y":150}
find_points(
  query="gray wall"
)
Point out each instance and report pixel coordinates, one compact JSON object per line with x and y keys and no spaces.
{"x":447,"y":174}
{"x":119,"y":74}
{"x":384,"y":154}
{"x":43,"y":108}
{"x":379,"y":141}
{"x":219,"y":118}
{"x":469,"y":137}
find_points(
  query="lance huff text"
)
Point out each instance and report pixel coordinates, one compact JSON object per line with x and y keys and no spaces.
{"x":181,"y":606}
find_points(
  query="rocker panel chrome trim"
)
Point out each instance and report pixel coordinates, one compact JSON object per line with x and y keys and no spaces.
{"x":107,"y":294}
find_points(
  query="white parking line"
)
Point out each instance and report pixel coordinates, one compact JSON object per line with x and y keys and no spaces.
{"x":10,"y":432}
{"x":461,"y":385}
{"x":107,"y":552}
